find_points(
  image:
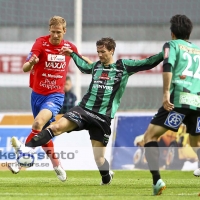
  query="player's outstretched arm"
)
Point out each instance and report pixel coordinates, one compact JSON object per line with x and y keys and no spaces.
{"x":82,"y":62}
{"x":67,"y":52}
{"x":133,"y":66}
{"x":87,"y":60}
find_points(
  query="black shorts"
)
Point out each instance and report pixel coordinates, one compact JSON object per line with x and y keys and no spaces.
{"x":172,"y":120}
{"x":98,"y":125}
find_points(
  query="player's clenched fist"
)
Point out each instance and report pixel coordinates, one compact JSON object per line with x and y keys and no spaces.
{"x":33,"y":60}
{"x":30,"y":62}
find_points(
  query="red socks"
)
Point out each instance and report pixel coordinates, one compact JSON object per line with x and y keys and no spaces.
{"x":48,"y":148}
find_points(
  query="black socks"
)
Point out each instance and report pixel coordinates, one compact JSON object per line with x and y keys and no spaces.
{"x":41,"y":138}
{"x":152,"y":155}
{"x":104,"y":171}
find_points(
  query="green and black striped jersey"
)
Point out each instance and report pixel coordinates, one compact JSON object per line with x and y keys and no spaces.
{"x":184,"y":58}
{"x":108,"y":82}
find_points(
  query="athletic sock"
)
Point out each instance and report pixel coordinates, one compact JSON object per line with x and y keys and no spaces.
{"x":49,"y":150}
{"x":41,"y":138}
{"x":152,"y":157}
{"x":104,"y":171}
{"x":31,"y":135}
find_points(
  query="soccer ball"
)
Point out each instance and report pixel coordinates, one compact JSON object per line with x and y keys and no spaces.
{"x":26,"y":157}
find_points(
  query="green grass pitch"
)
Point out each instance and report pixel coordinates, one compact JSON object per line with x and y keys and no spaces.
{"x":84,"y":185}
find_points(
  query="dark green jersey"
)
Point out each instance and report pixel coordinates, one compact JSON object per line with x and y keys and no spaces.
{"x":108,"y":82}
{"x":184,"y":57}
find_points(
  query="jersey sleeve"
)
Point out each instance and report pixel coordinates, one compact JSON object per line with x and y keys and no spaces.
{"x":37,"y":47}
{"x":74,"y":48}
{"x":133,"y":66}
{"x":83,"y":66}
{"x":169,"y":54}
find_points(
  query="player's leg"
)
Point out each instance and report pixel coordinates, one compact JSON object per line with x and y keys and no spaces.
{"x":152,"y":154}
{"x":100,"y":132}
{"x":192,"y":123}
{"x":48,"y":107}
{"x":41,"y":119}
{"x":15,"y":167}
{"x":101,"y":162}
{"x":195,"y":144}
{"x":63,"y":125}
{"x":44,"y":109}
{"x":70,"y":121}
{"x":39,"y":122}
{"x":161,"y":122}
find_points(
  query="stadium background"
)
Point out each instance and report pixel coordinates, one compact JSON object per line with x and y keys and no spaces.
{"x":140,"y":28}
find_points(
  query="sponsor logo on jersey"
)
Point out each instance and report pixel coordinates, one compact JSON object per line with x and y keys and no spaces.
{"x":190,"y":50}
{"x":182,"y":76}
{"x":182,"y":82}
{"x":105,"y":87}
{"x":198,"y":125}
{"x":98,"y":81}
{"x":104,"y":76}
{"x":49,"y":84}
{"x":103,"y":69}
{"x":189,"y":99}
{"x":51,"y":75}
{"x":174,"y":119}
{"x":55,"y":58}
{"x":55,"y":65}
{"x":109,"y":70}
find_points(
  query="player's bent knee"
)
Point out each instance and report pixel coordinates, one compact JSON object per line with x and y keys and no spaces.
{"x":37,"y":125}
{"x":56,"y":129}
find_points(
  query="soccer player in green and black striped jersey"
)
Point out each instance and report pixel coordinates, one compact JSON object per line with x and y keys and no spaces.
{"x":99,"y":105}
{"x":181,"y":96}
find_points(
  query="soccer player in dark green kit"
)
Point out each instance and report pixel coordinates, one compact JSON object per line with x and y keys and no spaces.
{"x":181,"y":96}
{"x":99,"y":105}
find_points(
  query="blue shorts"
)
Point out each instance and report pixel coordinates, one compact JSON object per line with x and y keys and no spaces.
{"x":52,"y":102}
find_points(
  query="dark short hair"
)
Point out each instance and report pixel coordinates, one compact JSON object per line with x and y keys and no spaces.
{"x":181,"y":26}
{"x":108,"y":42}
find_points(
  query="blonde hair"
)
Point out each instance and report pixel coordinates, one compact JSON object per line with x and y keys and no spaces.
{"x":57,"y":20}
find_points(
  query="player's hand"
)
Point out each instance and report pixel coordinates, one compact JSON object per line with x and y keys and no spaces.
{"x":33,"y":60}
{"x":166,"y":102}
{"x":65,"y":51}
